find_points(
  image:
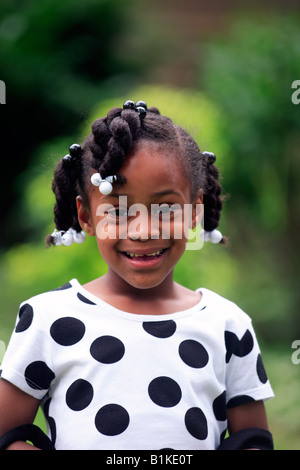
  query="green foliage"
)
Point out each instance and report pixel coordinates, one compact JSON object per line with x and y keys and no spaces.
{"x":70,"y":46}
{"x":58,"y":58}
{"x":250,"y":77}
{"x":283,"y":410}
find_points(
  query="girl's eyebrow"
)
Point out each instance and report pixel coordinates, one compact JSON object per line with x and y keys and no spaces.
{"x":166,"y":192}
{"x":156,"y":194}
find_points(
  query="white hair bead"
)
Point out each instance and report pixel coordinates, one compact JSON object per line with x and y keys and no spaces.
{"x":205,"y":236}
{"x":96,"y":179}
{"x":67,"y":238}
{"x":105,"y":187}
{"x":111,"y":178}
{"x":215,"y":236}
{"x":56,"y":235}
{"x":79,"y":237}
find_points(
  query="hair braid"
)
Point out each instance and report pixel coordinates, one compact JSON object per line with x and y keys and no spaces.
{"x":65,"y":188}
{"x":212,"y":198}
{"x":113,"y":138}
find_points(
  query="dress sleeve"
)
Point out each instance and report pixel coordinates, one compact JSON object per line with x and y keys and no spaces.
{"x":27,"y":363}
{"x":246,"y":378}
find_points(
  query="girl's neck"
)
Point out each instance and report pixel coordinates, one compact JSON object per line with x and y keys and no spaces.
{"x":166,"y":298}
{"x":113,"y":285}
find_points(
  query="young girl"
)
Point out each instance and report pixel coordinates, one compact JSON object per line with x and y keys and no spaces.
{"x":133,"y":360}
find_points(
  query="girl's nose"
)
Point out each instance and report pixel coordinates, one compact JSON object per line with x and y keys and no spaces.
{"x":143,"y":225}
{"x":139,"y":228}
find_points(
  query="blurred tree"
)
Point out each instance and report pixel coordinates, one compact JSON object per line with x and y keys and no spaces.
{"x":57,"y":59}
{"x":250,"y":77}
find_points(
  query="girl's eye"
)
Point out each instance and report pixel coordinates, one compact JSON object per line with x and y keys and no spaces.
{"x":163,"y":209}
{"x":168,"y":210}
{"x":118,"y":212}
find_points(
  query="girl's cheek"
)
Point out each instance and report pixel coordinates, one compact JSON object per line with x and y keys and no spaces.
{"x":106,"y":229}
{"x":174,"y":229}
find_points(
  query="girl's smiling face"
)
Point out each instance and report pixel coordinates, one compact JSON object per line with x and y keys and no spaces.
{"x":139,"y":254}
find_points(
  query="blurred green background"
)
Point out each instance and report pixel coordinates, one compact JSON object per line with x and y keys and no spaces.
{"x":223,"y":72}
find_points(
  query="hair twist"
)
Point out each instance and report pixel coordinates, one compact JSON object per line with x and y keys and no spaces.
{"x":113,"y":139}
{"x":212,"y":198}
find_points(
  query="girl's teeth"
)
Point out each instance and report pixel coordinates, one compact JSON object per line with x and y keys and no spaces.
{"x":134,"y":255}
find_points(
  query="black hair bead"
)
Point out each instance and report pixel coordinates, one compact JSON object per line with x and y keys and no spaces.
{"x":129,"y":104}
{"x":142,"y":112}
{"x":140,"y":107}
{"x":75,"y":150}
{"x":68,"y":160}
{"x":210,"y":157}
{"x":141,"y":104}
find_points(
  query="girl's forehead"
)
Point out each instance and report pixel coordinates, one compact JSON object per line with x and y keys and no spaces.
{"x":151,"y":159}
{"x":150,"y":173}
{"x":151,"y":166}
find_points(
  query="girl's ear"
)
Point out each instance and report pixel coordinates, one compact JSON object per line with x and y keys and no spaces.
{"x":198,"y":210}
{"x":84,"y":217}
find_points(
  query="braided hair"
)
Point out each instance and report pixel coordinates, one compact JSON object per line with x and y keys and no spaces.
{"x":112,"y":138}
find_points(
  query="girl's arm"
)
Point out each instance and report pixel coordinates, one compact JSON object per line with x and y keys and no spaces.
{"x":250,"y":415}
{"x":16,"y":408}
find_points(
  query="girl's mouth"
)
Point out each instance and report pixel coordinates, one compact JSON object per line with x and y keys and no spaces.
{"x":144,"y":259}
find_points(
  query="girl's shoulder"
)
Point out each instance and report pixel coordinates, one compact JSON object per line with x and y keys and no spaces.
{"x":51,"y":294}
{"x":223,"y":308}
{"x":46,"y":302}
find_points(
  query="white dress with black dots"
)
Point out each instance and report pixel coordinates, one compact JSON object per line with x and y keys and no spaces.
{"x":110,"y":379}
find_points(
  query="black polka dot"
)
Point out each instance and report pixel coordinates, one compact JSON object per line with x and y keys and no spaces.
{"x":38,"y":375}
{"x":112,"y":420}
{"x":107,"y":349}
{"x":79,"y":395}
{"x":25,"y":318}
{"x":196,"y":423}
{"x":193,"y":353}
{"x":262,"y":375}
{"x":67,"y":331}
{"x":239,"y":400}
{"x":84,"y":299}
{"x":160,"y":329}
{"x":239,"y":348}
{"x":219,"y":407}
{"x":165,"y":392}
